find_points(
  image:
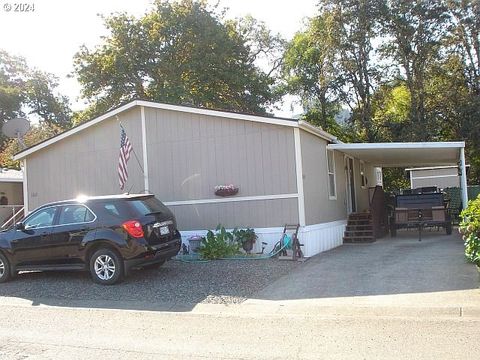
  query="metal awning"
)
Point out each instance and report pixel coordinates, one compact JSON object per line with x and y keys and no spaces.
{"x":404,"y":154}
{"x":410,"y":154}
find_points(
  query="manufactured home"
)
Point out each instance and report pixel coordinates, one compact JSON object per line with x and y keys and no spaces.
{"x":286,"y":170}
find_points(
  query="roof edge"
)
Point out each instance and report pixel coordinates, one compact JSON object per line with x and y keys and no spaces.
{"x":24,"y":153}
{"x":302,"y":124}
{"x":394,"y":145}
{"x":201,"y":111}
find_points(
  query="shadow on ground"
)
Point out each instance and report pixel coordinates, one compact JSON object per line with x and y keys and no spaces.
{"x":176,"y":286}
{"x":402,"y":265}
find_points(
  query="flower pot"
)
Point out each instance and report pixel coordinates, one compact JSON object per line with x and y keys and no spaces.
{"x":226,"y":192}
{"x":194,"y":244}
{"x":247,"y":245}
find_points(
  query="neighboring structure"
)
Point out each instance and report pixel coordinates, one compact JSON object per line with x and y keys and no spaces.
{"x":11,"y":193}
{"x":287,"y":170}
{"x":439,"y":176}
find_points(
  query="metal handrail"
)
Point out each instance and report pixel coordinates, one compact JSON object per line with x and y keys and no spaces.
{"x":14,"y":214}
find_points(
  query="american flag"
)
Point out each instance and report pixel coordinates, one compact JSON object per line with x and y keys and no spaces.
{"x":125,"y":150}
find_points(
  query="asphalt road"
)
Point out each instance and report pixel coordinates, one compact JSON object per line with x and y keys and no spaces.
{"x":30,"y":332}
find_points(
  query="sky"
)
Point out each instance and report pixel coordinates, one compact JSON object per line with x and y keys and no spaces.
{"x":52,"y":31}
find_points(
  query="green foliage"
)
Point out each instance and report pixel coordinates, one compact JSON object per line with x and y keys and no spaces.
{"x":470,"y":229}
{"x":218,"y":245}
{"x":25,"y":91}
{"x":180,"y":52}
{"x":244,"y":235}
{"x":395,"y":179}
{"x":37,"y":133}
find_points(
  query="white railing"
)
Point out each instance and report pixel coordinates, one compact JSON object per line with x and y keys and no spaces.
{"x":11,"y":214}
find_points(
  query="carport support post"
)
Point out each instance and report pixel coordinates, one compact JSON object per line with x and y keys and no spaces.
{"x":463,"y":180}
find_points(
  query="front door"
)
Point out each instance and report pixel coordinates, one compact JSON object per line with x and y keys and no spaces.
{"x":350,"y":185}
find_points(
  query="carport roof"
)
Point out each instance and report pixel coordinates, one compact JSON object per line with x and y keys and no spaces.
{"x":404,"y":154}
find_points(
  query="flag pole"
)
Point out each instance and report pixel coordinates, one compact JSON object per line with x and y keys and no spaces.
{"x":133,"y":149}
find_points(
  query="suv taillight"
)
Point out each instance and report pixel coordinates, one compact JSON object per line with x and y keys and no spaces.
{"x":134,"y":228}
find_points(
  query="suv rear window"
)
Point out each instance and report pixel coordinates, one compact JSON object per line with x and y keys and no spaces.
{"x":148,"y":206}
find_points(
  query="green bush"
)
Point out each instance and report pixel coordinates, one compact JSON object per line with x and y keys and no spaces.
{"x":218,"y":245}
{"x":470,"y":229}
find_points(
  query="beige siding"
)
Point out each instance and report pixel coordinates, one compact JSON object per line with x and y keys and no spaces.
{"x":318,"y":207}
{"x":189,"y":154}
{"x":85,"y":163}
{"x":263,"y":213}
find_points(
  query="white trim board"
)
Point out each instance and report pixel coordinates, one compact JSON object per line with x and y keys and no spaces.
{"x":15,"y":180}
{"x":405,"y":145}
{"x":231,"y":199}
{"x":299,"y":176}
{"x":144,"y":150}
{"x":25,"y":187}
{"x":433,"y":176}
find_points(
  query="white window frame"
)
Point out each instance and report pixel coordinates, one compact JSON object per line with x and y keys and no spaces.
{"x":363,"y":176}
{"x":330,"y":196}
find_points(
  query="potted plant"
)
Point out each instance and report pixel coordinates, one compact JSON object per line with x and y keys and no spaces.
{"x":246,"y":238}
{"x":226,"y":190}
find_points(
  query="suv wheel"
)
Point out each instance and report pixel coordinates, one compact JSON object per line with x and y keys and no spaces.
{"x":4,"y":268}
{"x":106,"y":267}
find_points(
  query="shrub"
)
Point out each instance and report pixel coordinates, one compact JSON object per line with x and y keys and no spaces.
{"x":470,"y":229}
{"x":218,"y":245}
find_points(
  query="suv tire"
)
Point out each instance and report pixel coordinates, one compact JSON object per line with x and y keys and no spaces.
{"x":106,"y":267}
{"x":5,"y":273}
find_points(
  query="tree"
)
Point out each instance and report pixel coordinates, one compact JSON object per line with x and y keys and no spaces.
{"x":37,"y":133}
{"x":357,"y":22}
{"x":181,"y":52}
{"x":417,"y":29}
{"x":330,"y":64}
{"x":309,"y":67}
{"x":25,"y":91}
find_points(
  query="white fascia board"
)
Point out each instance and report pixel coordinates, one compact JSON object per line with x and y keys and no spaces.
{"x":317,"y":131}
{"x":75,"y":130}
{"x":218,"y":113}
{"x":405,"y":145}
{"x":435,"y":167}
{"x":11,"y":180}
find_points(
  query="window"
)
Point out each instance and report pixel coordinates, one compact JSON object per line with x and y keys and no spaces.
{"x":75,"y":214}
{"x":332,"y":189}
{"x":42,"y":218}
{"x":363,"y":175}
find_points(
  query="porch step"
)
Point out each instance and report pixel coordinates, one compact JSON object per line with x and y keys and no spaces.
{"x":359,"y":233}
{"x":358,"y":239}
{"x":359,"y":229}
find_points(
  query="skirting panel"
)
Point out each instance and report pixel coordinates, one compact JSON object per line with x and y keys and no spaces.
{"x":315,"y":238}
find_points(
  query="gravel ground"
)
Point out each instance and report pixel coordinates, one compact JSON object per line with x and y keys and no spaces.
{"x":218,"y":282}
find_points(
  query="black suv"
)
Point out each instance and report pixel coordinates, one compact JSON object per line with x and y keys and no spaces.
{"x":107,"y":235}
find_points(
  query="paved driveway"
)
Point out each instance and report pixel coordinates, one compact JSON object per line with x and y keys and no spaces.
{"x":393,"y":271}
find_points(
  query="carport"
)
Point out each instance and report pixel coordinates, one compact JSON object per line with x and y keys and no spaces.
{"x":410,"y":154}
